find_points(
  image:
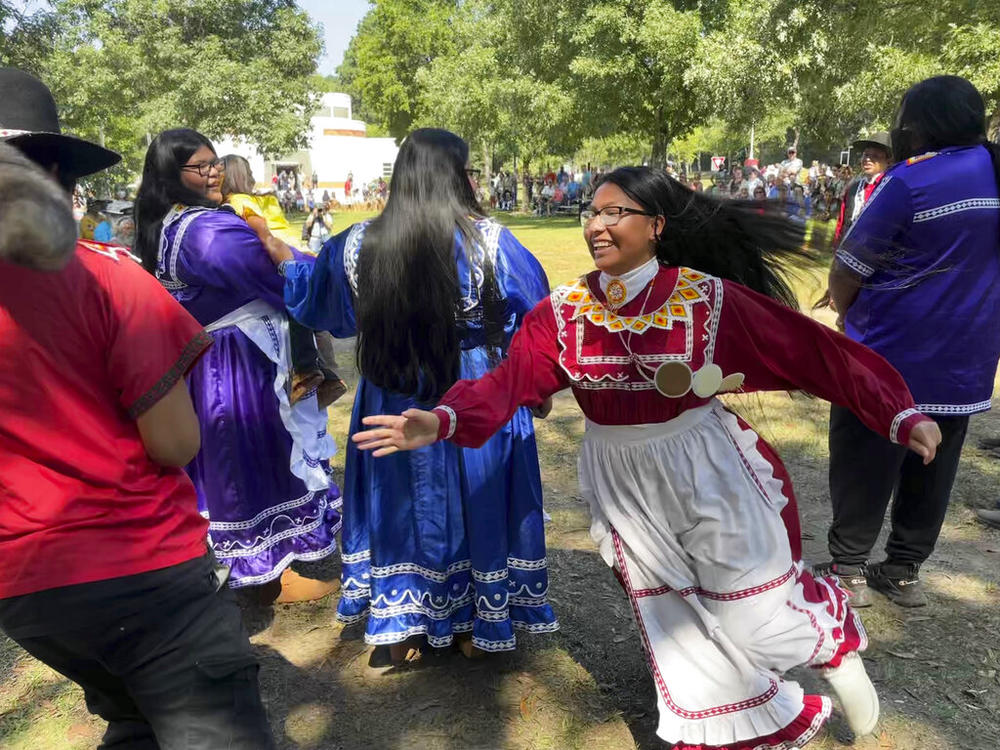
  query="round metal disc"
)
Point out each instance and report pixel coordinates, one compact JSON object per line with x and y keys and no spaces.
{"x":732,"y":382}
{"x":706,"y":381}
{"x":673,"y":379}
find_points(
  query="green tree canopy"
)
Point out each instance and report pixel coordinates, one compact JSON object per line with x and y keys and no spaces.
{"x":123,"y":70}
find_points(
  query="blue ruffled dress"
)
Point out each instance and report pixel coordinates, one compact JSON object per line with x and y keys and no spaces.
{"x":440,"y":540}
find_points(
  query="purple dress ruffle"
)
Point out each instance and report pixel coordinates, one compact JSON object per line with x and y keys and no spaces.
{"x":261,"y":515}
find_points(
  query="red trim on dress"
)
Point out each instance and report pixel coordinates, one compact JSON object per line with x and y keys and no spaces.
{"x":722,"y":597}
{"x":790,"y":513}
{"x":805,"y":726}
{"x":654,"y":668}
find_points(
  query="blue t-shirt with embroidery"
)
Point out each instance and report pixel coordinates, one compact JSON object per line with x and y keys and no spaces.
{"x":927,"y":244}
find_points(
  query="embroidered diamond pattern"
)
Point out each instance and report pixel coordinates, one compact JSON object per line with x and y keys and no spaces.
{"x":677,"y":308}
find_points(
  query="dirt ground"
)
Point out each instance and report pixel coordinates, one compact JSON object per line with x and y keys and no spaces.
{"x":937,"y":669}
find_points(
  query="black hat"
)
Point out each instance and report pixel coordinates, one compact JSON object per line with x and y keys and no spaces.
{"x":879,"y":139}
{"x":29,"y":120}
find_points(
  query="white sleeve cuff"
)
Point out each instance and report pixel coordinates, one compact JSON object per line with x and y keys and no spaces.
{"x":452,"y":421}
{"x":897,"y":423}
{"x":862,"y":269}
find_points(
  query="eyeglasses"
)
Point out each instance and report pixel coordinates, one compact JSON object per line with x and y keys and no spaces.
{"x":205,"y":168}
{"x":610,"y":215}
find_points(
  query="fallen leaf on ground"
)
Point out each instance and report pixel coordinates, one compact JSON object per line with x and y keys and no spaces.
{"x":901,"y":654}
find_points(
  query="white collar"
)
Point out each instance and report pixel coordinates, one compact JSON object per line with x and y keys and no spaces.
{"x":635,"y":280}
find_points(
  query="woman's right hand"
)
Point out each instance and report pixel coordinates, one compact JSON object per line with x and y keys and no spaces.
{"x":414,"y":428}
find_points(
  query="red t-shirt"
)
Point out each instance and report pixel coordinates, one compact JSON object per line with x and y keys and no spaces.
{"x":83,"y":352}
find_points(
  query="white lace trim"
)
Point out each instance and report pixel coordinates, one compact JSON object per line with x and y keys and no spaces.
{"x":519,"y":564}
{"x":287,"y":560}
{"x":356,"y":557}
{"x":897,"y":421}
{"x":854,"y":264}
{"x":969,"y":204}
{"x":452,"y":420}
{"x":225,"y":553}
{"x":953,"y":409}
{"x":236,"y":525}
{"x":433,"y":575}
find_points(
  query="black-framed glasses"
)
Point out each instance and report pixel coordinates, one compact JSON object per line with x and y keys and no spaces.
{"x":610,"y":215}
{"x":205,"y":168}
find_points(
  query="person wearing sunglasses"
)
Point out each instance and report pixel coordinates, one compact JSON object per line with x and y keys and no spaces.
{"x":692,"y":508}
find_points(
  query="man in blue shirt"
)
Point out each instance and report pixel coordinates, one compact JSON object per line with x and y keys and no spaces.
{"x":917,"y":279}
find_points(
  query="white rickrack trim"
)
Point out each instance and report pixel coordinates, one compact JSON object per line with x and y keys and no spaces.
{"x":536,"y":627}
{"x":452,"y":420}
{"x":351,"y":619}
{"x":897,"y":421}
{"x":356,"y":557}
{"x":522,"y":601}
{"x":519,"y":564}
{"x":278,"y":569}
{"x":499,"y":616}
{"x":272,"y":511}
{"x":490,"y":576}
{"x":414,"y":608}
{"x":361,"y":592}
{"x":384,"y":639}
{"x":969,"y":204}
{"x":433,"y":575}
{"x":224,"y":552}
{"x":950,"y":409}
{"x":854,"y":264}
{"x":506,"y":645}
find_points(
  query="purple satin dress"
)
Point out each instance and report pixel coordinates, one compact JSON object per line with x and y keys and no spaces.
{"x":262,"y":474}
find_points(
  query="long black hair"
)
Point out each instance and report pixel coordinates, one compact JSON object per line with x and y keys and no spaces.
{"x":161,"y":188}
{"x":737,"y":240}
{"x":409,"y":307}
{"x":939,"y":112}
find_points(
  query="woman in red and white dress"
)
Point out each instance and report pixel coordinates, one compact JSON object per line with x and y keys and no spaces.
{"x":690,"y":506}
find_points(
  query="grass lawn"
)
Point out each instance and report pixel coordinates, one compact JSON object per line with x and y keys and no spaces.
{"x":587,"y":687}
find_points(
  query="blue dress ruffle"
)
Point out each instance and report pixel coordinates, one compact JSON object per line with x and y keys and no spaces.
{"x":440,"y":540}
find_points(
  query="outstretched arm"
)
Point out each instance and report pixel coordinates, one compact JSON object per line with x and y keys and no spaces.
{"x":781,"y":349}
{"x":473,"y":410}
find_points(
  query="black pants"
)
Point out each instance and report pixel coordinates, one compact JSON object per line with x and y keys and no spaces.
{"x":866,"y":470}
{"x":175,"y":675}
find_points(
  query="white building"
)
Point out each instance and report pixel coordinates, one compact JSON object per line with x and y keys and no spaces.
{"x":338,"y":146}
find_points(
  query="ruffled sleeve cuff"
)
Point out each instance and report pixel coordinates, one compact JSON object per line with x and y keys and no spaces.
{"x":448,"y":422}
{"x":903,"y":424}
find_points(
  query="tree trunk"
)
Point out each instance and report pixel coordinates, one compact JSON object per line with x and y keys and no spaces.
{"x":486,"y":165}
{"x":796,"y":142}
{"x":993,"y":129}
{"x":751,"y":140}
{"x":659,"y":156}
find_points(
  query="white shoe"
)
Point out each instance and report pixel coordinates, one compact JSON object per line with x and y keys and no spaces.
{"x":856,"y":693}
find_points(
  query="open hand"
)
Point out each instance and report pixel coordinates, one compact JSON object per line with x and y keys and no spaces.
{"x":925,"y":438}
{"x":414,"y":428}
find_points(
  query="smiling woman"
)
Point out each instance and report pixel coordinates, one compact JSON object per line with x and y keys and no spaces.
{"x":262,"y":473}
{"x":690,"y":506}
